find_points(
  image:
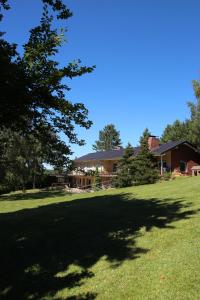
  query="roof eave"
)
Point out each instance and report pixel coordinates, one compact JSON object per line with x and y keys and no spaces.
{"x":95,"y":159}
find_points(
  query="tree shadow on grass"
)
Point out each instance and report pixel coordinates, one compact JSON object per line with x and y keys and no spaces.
{"x":42,"y":194}
{"x":38,"y":244}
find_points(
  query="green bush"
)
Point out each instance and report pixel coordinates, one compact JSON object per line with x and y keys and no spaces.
{"x":167,"y":176}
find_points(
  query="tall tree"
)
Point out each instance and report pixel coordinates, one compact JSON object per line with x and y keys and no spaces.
{"x":32,"y":99}
{"x":176,"y":131}
{"x":144,"y":163}
{"x":22,"y":159}
{"x":125,"y":168}
{"x":109,"y":139}
{"x":194,"y":128}
{"x":96,"y":183}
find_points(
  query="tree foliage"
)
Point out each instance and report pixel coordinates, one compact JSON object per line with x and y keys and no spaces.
{"x":109,"y":139}
{"x":33,"y":102}
{"x":125,"y":168}
{"x":176,"y":131}
{"x":190,"y":128}
{"x":96,"y":183}
{"x":21,"y":159}
{"x":144,"y":163}
{"x":57,"y":6}
{"x":194,"y":128}
{"x":33,"y":93}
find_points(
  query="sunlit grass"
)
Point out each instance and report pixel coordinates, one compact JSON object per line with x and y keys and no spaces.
{"x":133,"y":243}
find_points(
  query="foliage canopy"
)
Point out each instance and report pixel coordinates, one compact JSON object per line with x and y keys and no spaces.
{"x":109,"y":139}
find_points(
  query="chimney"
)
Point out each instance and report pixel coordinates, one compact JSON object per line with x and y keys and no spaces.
{"x":153,"y":142}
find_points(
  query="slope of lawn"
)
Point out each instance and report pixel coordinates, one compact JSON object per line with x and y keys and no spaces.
{"x":134,"y":243}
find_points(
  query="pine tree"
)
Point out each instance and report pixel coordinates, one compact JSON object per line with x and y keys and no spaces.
{"x":109,"y":139}
{"x":125,"y":168}
{"x":144,"y":163}
{"x":96,"y":180}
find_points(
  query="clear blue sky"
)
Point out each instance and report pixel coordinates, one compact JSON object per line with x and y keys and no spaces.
{"x":147,"y":52}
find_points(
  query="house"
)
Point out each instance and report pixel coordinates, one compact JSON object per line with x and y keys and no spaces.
{"x":178,"y":157}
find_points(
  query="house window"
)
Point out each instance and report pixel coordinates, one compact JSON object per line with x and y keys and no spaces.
{"x":182,"y":166}
{"x":164,"y":164}
{"x":165,"y":167}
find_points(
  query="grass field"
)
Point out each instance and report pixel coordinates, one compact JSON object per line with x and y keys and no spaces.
{"x":134,"y":243}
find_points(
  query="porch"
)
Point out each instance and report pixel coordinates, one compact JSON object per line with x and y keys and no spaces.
{"x":86,"y":181}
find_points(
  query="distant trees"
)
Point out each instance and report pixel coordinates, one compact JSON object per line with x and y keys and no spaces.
{"x":176,"y":131}
{"x":194,"y":128}
{"x":109,"y":139}
{"x":189,"y":129}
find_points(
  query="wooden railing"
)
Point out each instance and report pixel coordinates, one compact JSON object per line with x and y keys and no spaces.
{"x":91,"y":175}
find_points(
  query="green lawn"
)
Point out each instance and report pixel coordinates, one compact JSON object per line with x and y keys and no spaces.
{"x":134,"y":243}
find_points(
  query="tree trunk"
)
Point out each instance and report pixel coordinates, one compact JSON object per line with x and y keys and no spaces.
{"x":34,"y":177}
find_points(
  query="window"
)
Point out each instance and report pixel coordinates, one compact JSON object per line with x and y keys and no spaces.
{"x":165,"y":167}
{"x":182,"y":166}
{"x":164,"y":164}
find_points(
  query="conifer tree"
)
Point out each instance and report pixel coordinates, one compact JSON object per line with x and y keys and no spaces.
{"x":125,"y":168}
{"x":96,"y":180}
{"x":144,"y":163}
{"x":109,"y":139}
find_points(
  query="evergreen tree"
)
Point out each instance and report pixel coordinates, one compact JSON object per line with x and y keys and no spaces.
{"x":125,"y":168}
{"x":176,"y":131}
{"x":144,"y":163}
{"x":109,"y":139}
{"x":194,"y":128}
{"x":96,"y":180}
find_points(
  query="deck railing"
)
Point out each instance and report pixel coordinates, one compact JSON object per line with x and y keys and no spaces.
{"x":91,"y":174}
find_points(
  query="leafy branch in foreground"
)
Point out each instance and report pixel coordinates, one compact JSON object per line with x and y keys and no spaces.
{"x":33,"y":89}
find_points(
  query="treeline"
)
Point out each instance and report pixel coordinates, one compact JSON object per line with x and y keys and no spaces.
{"x":190,"y":128}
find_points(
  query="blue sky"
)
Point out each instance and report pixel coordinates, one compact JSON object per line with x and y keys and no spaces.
{"x":146,"y":53}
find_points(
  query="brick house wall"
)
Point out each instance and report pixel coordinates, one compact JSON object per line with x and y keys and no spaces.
{"x":186,"y":154}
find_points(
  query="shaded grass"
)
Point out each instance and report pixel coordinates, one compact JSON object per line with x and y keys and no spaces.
{"x":134,"y":243}
{"x":33,"y":194}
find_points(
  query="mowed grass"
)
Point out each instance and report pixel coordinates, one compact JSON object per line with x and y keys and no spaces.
{"x":134,"y":243}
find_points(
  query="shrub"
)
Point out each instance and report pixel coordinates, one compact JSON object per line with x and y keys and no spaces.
{"x":167,"y":176}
